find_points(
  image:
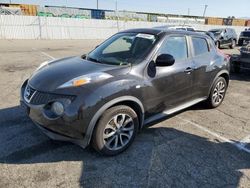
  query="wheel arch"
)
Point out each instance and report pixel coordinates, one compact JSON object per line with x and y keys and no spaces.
{"x":130,"y":101}
{"x":224,"y":74}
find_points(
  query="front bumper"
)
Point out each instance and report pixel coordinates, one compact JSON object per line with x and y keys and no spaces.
{"x":245,"y":40}
{"x":68,"y":127}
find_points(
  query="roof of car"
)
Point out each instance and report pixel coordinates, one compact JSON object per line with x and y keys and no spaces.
{"x":157,"y":31}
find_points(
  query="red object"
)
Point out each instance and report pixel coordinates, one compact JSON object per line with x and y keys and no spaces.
{"x":248,"y":23}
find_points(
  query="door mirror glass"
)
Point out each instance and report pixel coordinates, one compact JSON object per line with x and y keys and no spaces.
{"x":164,"y":60}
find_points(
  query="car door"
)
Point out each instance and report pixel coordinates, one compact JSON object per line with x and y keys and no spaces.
{"x":228,"y":36}
{"x":204,"y":59}
{"x":171,"y":85}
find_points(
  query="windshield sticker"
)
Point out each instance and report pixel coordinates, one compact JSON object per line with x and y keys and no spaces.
{"x":145,"y":36}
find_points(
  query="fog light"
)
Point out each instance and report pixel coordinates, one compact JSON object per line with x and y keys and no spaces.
{"x":57,"y":108}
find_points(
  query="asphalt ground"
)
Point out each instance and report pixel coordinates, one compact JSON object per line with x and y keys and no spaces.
{"x":194,"y":148}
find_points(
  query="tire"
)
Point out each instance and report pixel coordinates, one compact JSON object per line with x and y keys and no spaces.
{"x":119,"y":136}
{"x":233,"y":44}
{"x":240,"y":42}
{"x":219,"y":89}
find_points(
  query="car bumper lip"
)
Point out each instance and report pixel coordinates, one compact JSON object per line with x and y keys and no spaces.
{"x":57,"y":136}
{"x":55,"y":131}
{"x":65,"y":128}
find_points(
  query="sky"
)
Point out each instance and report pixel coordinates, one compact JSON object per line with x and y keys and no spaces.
{"x":217,"y":8}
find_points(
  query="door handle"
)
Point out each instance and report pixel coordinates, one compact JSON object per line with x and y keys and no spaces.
{"x":188,"y":70}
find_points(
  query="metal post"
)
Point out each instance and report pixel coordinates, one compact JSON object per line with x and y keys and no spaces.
{"x":116,"y":12}
{"x":97,"y":4}
{"x":116,"y":7}
{"x":205,"y":9}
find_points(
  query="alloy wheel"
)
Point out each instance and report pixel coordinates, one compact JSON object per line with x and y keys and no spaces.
{"x":118,"y":131}
{"x":219,"y":92}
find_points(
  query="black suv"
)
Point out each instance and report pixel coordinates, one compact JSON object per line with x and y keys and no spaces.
{"x":132,"y":79}
{"x":242,"y":61}
{"x":244,"y":37}
{"x":225,"y":37}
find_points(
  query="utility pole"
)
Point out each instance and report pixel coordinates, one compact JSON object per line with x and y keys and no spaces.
{"x":116,"y":6}
{"x":188,"y":11}
{"x":116,"y":13}
{"x":205,"y":9}
{"x":97,"y":4}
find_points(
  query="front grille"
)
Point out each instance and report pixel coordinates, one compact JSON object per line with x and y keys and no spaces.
{"x":38,"y":97}
{"x":28,"y":93}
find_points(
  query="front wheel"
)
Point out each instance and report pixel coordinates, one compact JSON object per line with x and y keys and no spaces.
{"x":217,"y":93}
{"x":115,"y":130}
{"x":217,"y":44}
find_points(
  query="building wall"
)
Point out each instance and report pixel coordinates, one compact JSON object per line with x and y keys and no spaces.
{"x":34,"y":27}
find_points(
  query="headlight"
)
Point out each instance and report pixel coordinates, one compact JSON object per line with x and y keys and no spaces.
{"x":85,"y":79}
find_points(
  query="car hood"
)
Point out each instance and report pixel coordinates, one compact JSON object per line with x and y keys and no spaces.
{"x":60,"y":71}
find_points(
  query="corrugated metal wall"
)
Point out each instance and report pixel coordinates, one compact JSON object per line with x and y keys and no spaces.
{"x":33,"y":27}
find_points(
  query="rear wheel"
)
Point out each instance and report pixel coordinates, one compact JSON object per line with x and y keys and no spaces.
{"x":217,"y":93}
{"x":115,"y":130}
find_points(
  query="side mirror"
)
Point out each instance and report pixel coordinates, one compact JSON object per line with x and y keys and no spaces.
{"x":84,"y":56}
{"x":164,"y":60}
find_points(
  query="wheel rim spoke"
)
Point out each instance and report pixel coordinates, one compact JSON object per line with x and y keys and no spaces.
{"x":127,"y":129}
{"x":219,"y":92}
{"x":125,"y":134}
{"x":115,"y":119}
{"x":110,"y":141}
{"x":116,"y":142}
{"x":123,"y":119}
{"x":121,"y":140}
{"x":108,"y":135}
{"x":110,"y":127}
{"x":118,"y":131}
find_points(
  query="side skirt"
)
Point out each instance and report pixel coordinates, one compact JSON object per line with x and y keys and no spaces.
{"x":173,"y":110}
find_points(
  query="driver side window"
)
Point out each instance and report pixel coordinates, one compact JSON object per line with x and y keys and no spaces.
{"x":175,"y":46}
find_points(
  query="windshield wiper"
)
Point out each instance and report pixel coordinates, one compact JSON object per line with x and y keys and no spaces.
{"x":93,"y":59}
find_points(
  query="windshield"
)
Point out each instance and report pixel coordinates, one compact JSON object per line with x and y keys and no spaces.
{"x":123,"y":48}
{"x":211,"y":35}
{"x":216,"y":32}
{"x":245,"y":34}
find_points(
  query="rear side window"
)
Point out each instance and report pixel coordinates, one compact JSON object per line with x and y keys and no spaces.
{"x":175,"y":46}
{"x":200,"y":46}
